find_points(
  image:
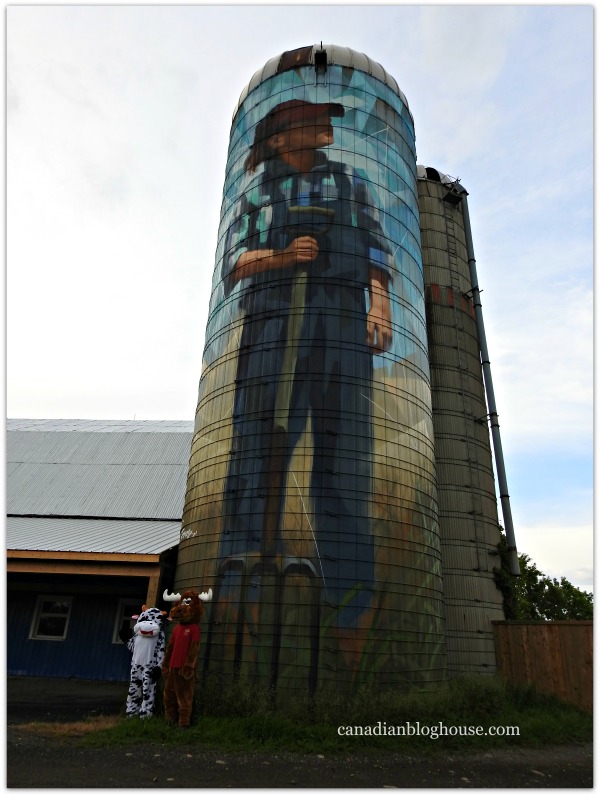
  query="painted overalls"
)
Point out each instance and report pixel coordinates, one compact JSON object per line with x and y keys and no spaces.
{"x":322,"y":314}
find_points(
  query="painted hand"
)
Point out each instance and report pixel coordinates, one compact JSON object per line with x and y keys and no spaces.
{"x":302,"y":250}
{"x":379,"y":326}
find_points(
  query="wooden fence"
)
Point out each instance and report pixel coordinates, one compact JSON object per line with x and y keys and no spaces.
{"x":556,"y":657}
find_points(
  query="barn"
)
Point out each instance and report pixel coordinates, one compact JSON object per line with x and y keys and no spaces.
{"x":93,"y":523}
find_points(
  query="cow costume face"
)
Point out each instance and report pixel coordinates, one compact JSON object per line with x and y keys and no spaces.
{"x":149,"y":622}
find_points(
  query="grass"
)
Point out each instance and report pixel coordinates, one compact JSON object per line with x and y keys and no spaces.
{"x":65,"y":730}
{"x":243,"y":720}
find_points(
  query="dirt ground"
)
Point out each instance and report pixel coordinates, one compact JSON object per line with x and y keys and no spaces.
{"x":34,"y":761}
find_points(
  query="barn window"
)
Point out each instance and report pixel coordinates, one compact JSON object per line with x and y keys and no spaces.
{"x":125,"y":610}
{"x":51,"y":618}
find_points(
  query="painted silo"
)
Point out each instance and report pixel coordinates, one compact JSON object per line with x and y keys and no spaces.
{"x":311,"y":501}
{"x":468,"y":512}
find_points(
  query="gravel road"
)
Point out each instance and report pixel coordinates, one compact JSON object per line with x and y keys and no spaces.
{"x":36,"y":762}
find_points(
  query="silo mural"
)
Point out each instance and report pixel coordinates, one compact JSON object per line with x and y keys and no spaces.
{"x":311,"y":502}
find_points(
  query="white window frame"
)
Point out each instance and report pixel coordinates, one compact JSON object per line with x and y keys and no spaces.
{"x":121,"y":614}
{"x":34,"y":633}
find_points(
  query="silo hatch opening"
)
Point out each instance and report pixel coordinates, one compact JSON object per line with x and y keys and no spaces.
{"x":452,"y":198}
{"x":321,"y":61}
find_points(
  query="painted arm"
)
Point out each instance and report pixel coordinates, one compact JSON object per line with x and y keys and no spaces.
{"x":301,"y":250}
{"x":379,"y":318}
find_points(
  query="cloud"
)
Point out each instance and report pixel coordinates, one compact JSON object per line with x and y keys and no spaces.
{"x":561,"y":551}
{"x":466,"y":46}
{"x":535,"y":271}
{"x":552,"y":502}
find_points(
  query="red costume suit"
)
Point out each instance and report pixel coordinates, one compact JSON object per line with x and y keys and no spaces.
{"x":183,"y":636}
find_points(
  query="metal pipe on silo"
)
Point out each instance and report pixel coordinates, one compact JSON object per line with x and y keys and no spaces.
{"x":491,"y":400}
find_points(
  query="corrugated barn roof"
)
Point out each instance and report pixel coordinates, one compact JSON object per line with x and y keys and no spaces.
{"x":54,"y":534}
{"x":48,"y":424}
{"x":88,"y":468}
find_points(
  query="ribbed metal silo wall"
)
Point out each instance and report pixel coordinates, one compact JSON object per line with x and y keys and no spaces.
{"x":311,"y":505}
{"x":468,"y":512}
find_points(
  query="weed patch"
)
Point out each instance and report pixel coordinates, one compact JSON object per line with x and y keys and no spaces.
{"x":247,"y":719}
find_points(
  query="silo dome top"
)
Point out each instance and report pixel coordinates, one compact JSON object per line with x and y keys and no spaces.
{"x":429,"y":173}
{"x":316,"y":55}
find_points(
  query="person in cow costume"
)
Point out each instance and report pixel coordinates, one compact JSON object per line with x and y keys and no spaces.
{"x":146,"y":642}
{"x":181,"y":656}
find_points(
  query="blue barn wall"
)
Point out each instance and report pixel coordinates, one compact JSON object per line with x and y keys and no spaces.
{"x":88,"y":651}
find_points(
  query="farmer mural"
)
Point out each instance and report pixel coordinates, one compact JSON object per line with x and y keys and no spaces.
{"x":308,"y":243}
{"x":311,"y":488}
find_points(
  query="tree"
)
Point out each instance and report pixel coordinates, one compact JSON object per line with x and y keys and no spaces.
{"x":535,"y":596}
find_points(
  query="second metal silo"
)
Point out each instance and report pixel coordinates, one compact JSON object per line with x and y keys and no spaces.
{"x":468,"y":513}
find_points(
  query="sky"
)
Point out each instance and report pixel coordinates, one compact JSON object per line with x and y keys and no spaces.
{"x":118,"y":120}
